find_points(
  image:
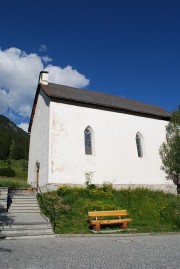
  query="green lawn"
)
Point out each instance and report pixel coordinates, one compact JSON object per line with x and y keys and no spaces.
{"x":20,"y":169}
{"x":12,"y":182}
{"x":151,"y":211}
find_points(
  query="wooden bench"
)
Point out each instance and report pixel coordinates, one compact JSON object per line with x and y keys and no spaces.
{"x":98,"y":218}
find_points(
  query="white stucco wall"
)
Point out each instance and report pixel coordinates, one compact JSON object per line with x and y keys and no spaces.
{"x":114,"y":156}
{"x":39,"y":141}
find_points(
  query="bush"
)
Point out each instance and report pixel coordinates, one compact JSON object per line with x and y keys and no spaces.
{"x":7,"y":172}
{"x":91,"y":187}
{"x":107,"y":187}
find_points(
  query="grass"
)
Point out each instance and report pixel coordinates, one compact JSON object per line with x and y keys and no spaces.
{"x":20,"y":168}
{"x":13,"y":182}
{"x":151,"y":211}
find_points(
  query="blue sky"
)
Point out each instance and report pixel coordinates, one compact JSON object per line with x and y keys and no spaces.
{"x":127,"y":48}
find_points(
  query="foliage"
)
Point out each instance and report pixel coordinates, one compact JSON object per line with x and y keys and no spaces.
{"x":19,"y":167}
{"x":170,"y":149}
{"x":7,"y":172}
{"x":150,"y":210}
{"x":14,"y":142}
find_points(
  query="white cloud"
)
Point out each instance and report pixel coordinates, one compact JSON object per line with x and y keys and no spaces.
{"x":19,"y":74}
{"x":12,"y":116}
{"x":42,"y":48}
{"x":46,"y":59}
{"x":3,"y":103}
{"x":24,"y":126}
{"x":66,"y":76}
{"x":25,"y":110}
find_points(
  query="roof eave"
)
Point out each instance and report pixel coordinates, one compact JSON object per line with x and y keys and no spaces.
{"x":34,"y":108}
{"x":131,"y":111}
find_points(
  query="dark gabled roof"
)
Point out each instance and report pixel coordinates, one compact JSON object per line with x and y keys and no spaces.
{"x":101,"y":100}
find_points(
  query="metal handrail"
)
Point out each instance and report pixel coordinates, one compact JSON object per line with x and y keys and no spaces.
{"x":43,"y":200}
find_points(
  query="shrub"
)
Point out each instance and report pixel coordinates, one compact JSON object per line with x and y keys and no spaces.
{"x":91,"y":187}
{"x":107,"y":187}
{"x":63,"y":190}
{"x":7,"y":172}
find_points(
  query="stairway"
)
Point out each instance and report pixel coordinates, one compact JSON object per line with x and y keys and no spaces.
{"x":3,"y":198}
{"x":24,"y":220}
{"x":24,"y":203}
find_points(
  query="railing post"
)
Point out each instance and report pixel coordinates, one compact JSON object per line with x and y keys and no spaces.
{"x":54,"y":216}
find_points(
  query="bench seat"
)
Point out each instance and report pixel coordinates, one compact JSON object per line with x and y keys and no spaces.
{"x":97,"y":218}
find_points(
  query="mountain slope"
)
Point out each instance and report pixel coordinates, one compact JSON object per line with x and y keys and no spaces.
{"x":14,"y":142}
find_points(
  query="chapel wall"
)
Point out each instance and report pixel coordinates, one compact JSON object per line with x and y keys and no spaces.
{"x":114,"y":157}
{"x":39,"y":142}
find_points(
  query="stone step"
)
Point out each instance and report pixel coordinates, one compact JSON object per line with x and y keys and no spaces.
{"x":3,"y":193}
{"x":29,"y":236}
{"x":23,"y":193}
{"x":27,"y":232}
{"x":24,"y":201}
{"x":13,"y":209}
{"x":28,"y":226}
{"x":3,"y":199}
{"x":24,"y":205}
{"x":24,"y":198}
{"x":24,"y":210}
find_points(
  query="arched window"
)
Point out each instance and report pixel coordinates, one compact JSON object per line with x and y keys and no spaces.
{"x":139,"y":145}
{"x":88,"y":141}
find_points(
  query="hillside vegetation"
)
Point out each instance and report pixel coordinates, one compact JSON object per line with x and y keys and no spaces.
{"x":151,"y":211}
{"x":14,"y":142}
{"x":14,"y":147}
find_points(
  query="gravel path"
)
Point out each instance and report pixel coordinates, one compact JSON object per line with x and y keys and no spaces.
{"x":96,"y":252}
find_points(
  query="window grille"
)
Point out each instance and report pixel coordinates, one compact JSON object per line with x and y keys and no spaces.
{"x":139,"y":145}
{"x":88,"y":141}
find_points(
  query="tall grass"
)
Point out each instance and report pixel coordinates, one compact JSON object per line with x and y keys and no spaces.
{"x":151,"y":211}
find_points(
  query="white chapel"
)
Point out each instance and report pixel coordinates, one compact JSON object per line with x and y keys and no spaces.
{"x":79,"y":135}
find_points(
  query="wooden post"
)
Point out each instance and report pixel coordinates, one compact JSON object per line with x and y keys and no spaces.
{"x":124,"y":225}
{"x":97,"y":227}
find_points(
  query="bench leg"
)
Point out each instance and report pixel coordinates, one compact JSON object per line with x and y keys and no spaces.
{"x":97,"y":227}
{"x":124,"y":225}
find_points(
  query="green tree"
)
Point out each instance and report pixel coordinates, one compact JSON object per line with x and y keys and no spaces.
{"x":18,"y":152}
{"x":170,"y":150}
{"x":5,"y":142}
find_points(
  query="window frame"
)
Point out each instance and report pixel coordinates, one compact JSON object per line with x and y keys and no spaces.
{"x":139,"y":145}
{"x":88,"y":140}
